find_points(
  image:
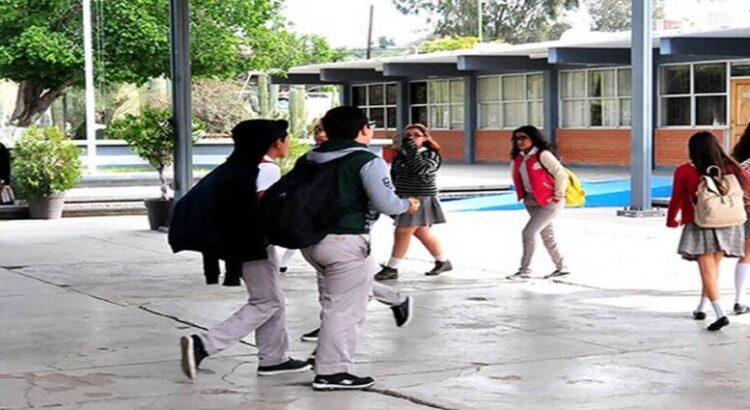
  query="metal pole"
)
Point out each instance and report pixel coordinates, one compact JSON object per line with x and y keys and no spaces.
{"x":642,"y":127}
{"x":479,"y":20}
{"x":88,"y":55}
{"x":369,"y":32}
{"x":181,"y":106}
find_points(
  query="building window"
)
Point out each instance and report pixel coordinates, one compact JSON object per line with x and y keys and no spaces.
{"x":379,"y":101}
{"x":438,"y":104}
{"x":693,"y":95}
{"x":595,"y":98}
{"x":510,"y":101}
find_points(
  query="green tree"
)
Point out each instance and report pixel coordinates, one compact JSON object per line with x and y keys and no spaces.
{"x":615,"y":15}
{"x":385,"y":42}
{"x":512,"y":21}
{"x":448,"y":44}
{"x":41,"y":44}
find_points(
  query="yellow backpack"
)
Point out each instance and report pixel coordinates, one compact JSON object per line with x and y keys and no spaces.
{"x":574,"y":194}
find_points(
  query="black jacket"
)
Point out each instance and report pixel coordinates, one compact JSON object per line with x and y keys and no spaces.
{"x":219,"y":215}
{"x":4,"y":165}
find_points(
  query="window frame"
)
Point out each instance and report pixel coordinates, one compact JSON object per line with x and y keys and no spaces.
{"x":586,"y":99}
{"x":692,"y":95}
{"x":385,"y":106}
{"x":449,"y":105}
{"x":500,"y":102}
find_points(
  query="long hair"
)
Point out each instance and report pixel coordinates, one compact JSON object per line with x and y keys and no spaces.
{"x":537,"y":139}
{"x":705,"y":151}
{"x":741,"y":151}
{"x":430,"y":144}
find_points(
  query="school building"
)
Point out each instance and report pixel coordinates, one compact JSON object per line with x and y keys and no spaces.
{"x":577,"y":89}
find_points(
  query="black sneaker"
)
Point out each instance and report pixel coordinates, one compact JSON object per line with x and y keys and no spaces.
{"x":193,"y":354}
{"x":387,"y":273}
{"x":740,"y":309}
{"x":518,"y":276}
{"x":402,"y":312}
{"x":311,"y":336}
{"x":289,"y":366}
{"x":283,"y":269}
{"x":718,"y":324}
{"x":440,"y":267}
{"x":311,"y":359}
{"x":341,"y":381}
{"x":698,"y":315}
{"x":557,"y":273}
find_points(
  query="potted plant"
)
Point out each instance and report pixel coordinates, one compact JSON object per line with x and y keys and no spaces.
{"x":45,"y":164}
{"x":151,"y":136}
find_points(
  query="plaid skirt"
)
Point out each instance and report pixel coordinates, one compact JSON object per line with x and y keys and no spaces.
{"x":430,"y":213}
{"x":699,"y":241}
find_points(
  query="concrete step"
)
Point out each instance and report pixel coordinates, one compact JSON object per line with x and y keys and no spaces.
{"x":78,"y":209}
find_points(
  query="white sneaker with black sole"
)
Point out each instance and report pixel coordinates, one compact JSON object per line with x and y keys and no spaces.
{"x":192,"y":354}
{"x":289,"y":366}
{"x":342,"y":381}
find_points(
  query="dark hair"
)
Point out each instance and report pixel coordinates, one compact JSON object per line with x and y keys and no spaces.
{"x":430,"y":144}
{"x":741,"y":151}
{"x":705,"y":151}
{"x":253,"y":138}
{"x":537,"y":139}
{"x":344,"y":122}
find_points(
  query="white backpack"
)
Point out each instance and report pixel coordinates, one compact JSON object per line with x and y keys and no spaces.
{"x":714,"y":210}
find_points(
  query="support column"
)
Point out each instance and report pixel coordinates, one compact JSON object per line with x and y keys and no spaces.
{"x":88,"y":53}
{"x":641,"y":159}
{"x":345,"y":98}
{"x":402,"y":111}
{"x":470,"y":118}
{"x":551,"y":105}
{"x":181,"y":103}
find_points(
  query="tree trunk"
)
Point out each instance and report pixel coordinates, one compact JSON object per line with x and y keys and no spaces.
{"x":162,"y":183}
{"x":33,"y":100}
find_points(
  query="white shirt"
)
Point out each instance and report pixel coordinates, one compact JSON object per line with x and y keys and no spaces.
{"x":269,"y":173}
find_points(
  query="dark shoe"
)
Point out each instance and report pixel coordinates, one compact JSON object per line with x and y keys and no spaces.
{"x":283,"y":269}
{"x":289,"y":366}
{"x":556,"y":274}
{"x":518,"y":276}
{"x":440,"y":267}
{"x":231,"y":280}
{"x":311,"y":336}
{"x":402,"y":312}
{"x":740,"y":309}
{"x":698,"y":315}
{"x":387,"y":273}
{"x":311,"y":359}
{"x":718,"y":324}
{"x":341,"y":381}
{"x":193,"y":354}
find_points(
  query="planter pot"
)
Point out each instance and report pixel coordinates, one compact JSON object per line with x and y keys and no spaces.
{"x":159,"y":212}
{"x":47,"y":207}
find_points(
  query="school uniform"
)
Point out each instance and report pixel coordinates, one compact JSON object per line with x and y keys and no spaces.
{"x":695,"y":240}
{"x":414,"y":173}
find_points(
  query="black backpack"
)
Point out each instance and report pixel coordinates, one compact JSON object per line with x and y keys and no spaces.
{"x":303,"y":206}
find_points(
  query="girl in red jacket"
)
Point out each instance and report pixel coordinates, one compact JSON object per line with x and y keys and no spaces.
{"x":707,"y":246}
{"x":540,"y":181}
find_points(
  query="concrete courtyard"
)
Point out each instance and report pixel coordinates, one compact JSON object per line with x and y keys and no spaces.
{"x":91,"y":310}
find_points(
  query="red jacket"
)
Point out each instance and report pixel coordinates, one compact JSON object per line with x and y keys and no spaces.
{"x":684,"y":189}
{"x":542,"y":182}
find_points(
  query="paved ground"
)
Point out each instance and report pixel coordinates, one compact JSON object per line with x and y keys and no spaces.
{"x":91,"y":310}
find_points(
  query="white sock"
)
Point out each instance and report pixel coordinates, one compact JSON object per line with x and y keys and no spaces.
{"x":393,"y":262}
{"x":702,"y":304}
{"x":740,"y":275}
{"x":441,"y":258}
{"x":717,"y":308}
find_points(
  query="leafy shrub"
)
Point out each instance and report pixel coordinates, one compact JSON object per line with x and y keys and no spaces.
{"x":45,"y":162}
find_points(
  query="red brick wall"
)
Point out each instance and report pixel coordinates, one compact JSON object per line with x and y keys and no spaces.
{"x":594,"y":146}
{"x":671,"y":145}
{"x":451,"y":144}
{"x":492,"y":145}
{"x":384,"y":134}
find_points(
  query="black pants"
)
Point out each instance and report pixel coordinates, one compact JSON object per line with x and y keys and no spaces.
{"x":211,"y":270}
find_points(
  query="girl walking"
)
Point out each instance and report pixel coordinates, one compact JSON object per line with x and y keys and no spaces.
{"x":707,"y":246}
{"x":741,"y":153}
{"x":413,"y":172}
{"x":540,"y":181}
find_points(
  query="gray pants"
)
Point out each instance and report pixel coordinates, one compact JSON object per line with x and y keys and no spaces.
{"x":264,"y":313}
{"x":345,"y":275}
{"x":540,"y":223}
{"x":387,"y":295}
